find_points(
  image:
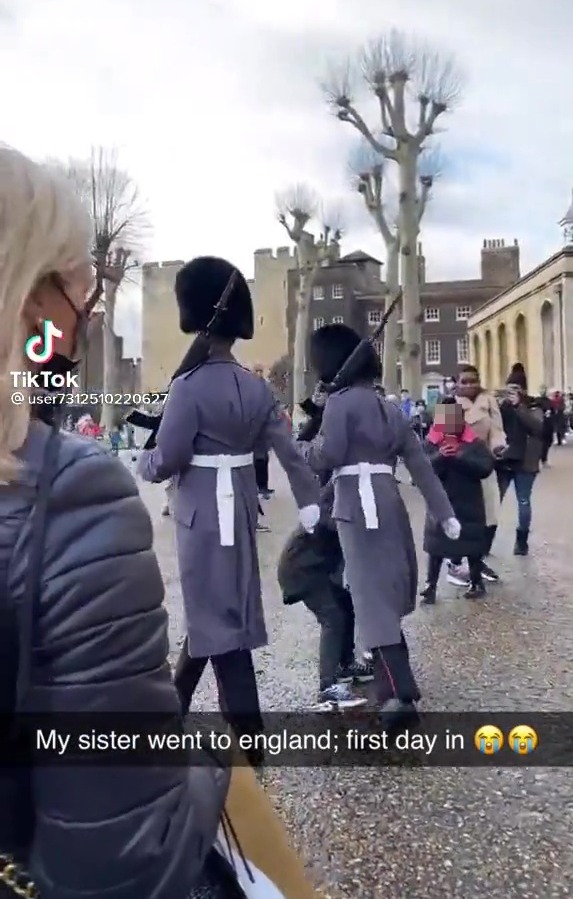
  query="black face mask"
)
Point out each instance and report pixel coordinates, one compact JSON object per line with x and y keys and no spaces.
{"x":60,"y":364}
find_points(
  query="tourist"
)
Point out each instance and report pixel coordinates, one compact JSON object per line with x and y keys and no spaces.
{"x":461,"y":461}
{"x":449,"y":386}
{"x":544,"y":403}
{"x":421,"y":420}
{"x":407,"y":404}
{"x":115,"y":440}
{"x":262,"y":456}
{"x":310,"y":571}
{"x":559,"y":417}
{"x":76,"y":561}
{"x":482,"y":414}
{"x":523,"y":424}
{"x":360,"y":437}
{"x":215,"y":417}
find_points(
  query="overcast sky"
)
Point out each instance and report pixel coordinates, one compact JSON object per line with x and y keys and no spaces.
{"x":214,"y":106}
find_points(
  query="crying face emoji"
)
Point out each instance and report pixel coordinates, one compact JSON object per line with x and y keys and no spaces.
{"x":488,"y":739}
{"x":523,"y":739}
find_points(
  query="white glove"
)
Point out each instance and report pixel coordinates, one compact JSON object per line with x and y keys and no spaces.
{"x":309,"y":517}
{"x":452,"y":528}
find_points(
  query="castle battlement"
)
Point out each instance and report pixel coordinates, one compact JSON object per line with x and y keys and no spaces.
{"x":155,"y":266}
{"x":498,"y":244}
{"x":279,"y":253}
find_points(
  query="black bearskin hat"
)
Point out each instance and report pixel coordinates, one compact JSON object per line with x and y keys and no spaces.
{"x":517,"y":376}
{"x":330,"y":347}
{"x":199,"y":286}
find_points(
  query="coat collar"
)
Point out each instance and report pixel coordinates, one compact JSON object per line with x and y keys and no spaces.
{"x":475,"y":409}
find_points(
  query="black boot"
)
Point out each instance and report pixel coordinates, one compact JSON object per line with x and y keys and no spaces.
{"x":396,"y":688}
{"x":428,"y":595}
{"x":521,"y":547}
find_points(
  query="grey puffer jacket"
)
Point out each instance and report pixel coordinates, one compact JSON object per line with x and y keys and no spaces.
{"x":101,"y":644}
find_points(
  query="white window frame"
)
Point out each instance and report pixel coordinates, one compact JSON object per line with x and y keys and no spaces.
{"x":463,"y":309}
{"x":337,"y":319}
{"x":318,"y":293}
{"x":463,"y":358}
{"x":432,"y":318}
{"x":318,"y":323}
{"x":338,"y":291}
{"x":374,"y":316}
{"x":434,"y":341}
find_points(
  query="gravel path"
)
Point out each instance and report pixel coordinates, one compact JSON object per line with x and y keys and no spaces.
{"x":433,"y":833}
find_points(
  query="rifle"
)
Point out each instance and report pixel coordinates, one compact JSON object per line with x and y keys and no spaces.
{"x":344,"y":376}
{"x":149,"y":421}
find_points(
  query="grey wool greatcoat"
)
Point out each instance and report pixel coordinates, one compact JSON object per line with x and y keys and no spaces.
{"x":221,"y":408}
{"x":381,"y":568}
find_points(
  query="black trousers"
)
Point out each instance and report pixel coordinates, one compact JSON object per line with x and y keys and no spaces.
{"x":262,"y":474}
{"x":393,"y":675}
{"x":547,"y":443}
{"x":332,"y":607}
{"x":435,"y":566}
{"x":237,"y":685}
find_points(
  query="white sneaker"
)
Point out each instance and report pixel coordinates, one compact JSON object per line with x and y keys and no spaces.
{"x":338,"y":698}
{"x":458,"y":575}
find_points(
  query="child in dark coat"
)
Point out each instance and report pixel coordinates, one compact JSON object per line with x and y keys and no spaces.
{"x":310,"y":570}
{"x":461,"y":460}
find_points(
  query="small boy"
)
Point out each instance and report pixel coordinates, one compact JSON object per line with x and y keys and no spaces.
{"x":462,"y":462}
{"x":310,"y":571}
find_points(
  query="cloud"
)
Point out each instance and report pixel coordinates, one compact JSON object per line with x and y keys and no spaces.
{"x":214,"y":106}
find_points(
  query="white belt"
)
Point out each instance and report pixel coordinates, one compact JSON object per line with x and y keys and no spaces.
{"x":224,"y":491}
{"x":364,"y":471}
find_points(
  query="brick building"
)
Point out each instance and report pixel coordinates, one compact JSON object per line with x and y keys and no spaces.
{"x":350,"y":290}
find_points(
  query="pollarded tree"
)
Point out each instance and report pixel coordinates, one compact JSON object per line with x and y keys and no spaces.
{"x":120,"y":221}
{"x":373,"y":181}
{"x":296,"y":208}
{"x":414,"y":87}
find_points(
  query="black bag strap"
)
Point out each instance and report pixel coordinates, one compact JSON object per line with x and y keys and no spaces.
{"x":29,"y":611}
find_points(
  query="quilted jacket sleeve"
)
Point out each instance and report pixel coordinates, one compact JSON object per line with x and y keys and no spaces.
{"x":111,"y":833}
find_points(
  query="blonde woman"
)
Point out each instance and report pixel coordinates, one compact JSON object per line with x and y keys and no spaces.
{"x":82,"y":627}
{"x":482,"y":413}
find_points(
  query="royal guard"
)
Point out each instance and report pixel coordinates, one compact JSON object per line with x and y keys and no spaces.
{"x":360,"y":439}
{"x":217,"y":419}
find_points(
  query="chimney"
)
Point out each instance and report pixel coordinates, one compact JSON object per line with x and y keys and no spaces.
{"x":500,"y":264}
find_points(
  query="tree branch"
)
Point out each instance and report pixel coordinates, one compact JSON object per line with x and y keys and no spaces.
{"x":351,"y":115}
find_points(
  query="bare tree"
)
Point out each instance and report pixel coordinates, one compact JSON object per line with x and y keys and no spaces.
{"x":296,"y":207}
{"x":414,"y":86}
{"x":120,"y":220}
{"x":372,"y":180}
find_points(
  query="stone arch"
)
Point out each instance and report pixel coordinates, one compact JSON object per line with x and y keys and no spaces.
{"x":548,"y":344}
{"x":521,"y":340}
{"x":503,"y":351}
{"x":488,"y":362}
{"x":476,"y":351}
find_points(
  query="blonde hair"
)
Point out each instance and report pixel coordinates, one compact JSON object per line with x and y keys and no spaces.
{"x":44,"y":229}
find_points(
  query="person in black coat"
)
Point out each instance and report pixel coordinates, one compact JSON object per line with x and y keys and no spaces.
{"x":461,"y":460}
{"x":544,"y":404}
